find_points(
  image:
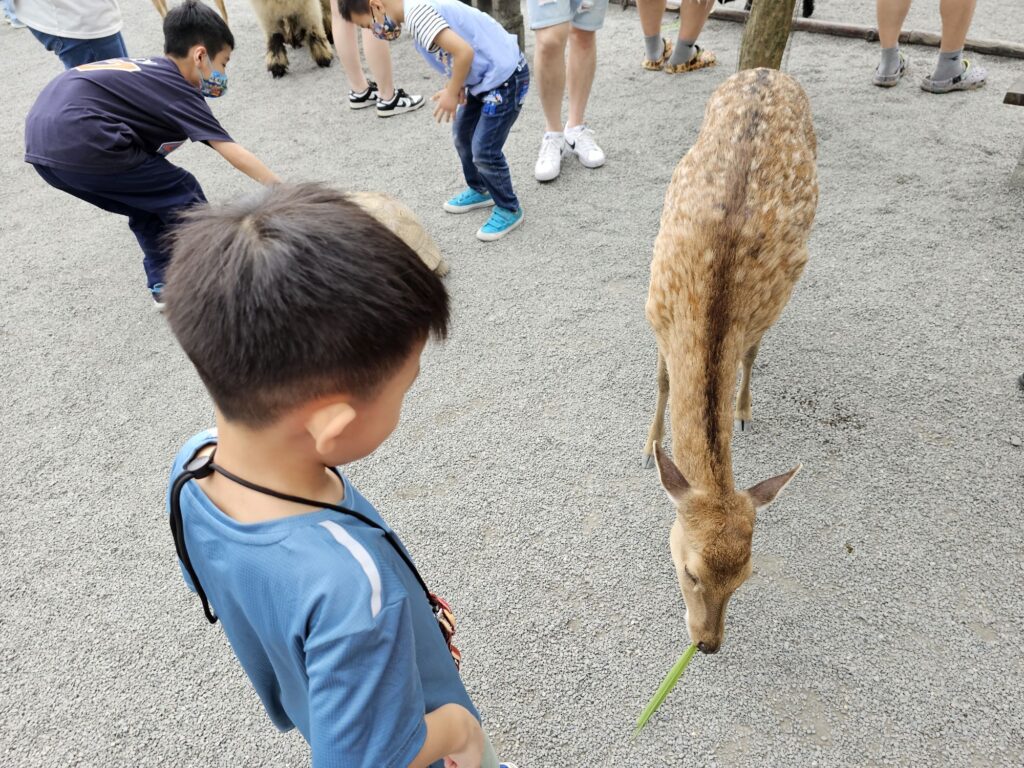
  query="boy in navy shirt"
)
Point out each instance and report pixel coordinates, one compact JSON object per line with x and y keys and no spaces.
{"x":487,"y":83}
{"x":305,"y":318}
{"x":102,"y":131}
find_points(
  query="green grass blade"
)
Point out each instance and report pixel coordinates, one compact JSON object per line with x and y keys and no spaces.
{"x":665,"y":688}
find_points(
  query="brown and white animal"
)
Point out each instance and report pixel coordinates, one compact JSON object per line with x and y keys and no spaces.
{"x":397,"y":217}
{"x":732,"y":244}
{"x":294,"y":22}
{"x":287,"y":22}
{"x":161,"y":8}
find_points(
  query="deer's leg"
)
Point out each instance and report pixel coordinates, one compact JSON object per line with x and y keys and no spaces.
{"x":277,"y":57}
{"x":657,"y":430}
{"x":743,"y":413}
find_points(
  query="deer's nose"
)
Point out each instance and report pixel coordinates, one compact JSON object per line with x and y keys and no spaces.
{"x":707,"y":647}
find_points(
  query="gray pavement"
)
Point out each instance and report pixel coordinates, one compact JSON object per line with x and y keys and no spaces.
{"x":883,"y":624}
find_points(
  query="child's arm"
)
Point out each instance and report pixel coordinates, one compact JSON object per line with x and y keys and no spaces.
{"x":245,"y":161}
{"x":452,"y":732}
{"x":449,"y":98}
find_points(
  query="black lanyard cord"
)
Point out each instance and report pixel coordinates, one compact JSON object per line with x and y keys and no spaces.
{"x":178,"y":532}
{"x":202,"y":466}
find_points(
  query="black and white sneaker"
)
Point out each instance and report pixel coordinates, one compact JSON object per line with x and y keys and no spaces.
{"x":367,"y":98}
{"x":400,"y":103}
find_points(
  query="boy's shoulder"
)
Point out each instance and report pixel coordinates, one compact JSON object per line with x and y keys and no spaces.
{"x":320,"y":558}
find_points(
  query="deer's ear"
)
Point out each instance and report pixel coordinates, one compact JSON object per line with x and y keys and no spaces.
{"x":764,"y":493}
{"x":672,"y":479}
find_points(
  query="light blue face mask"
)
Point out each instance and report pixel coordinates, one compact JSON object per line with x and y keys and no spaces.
{"x":215,"y":85}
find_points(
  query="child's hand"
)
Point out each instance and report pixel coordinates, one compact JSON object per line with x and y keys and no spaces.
{"x":447,"y":103}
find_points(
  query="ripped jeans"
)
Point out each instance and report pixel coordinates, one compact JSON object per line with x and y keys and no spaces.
{"x":481,"y":127}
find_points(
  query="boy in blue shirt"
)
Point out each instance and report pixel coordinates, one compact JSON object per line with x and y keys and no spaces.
{"x":305,"y":318}
{"x":487,"y":82}
{"x":102,"y":131}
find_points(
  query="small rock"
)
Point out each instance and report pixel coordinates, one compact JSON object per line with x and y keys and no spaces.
{"x":1015,"y":441}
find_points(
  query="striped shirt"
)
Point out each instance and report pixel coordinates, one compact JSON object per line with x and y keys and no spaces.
{"x":496,"y":53}
{"x":424,"y":24}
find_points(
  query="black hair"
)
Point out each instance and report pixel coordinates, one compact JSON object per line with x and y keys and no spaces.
{"x":347,"y":7}
{"x":193,"y":23}
{"x":293,"y":294}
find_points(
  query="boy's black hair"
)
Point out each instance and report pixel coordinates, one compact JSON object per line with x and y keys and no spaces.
{"x":347,"y":7}
{"x":193,"y":23}
{"x":293,"y":294}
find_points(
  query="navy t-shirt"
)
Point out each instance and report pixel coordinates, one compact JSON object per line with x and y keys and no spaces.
{"x":111,"y":116}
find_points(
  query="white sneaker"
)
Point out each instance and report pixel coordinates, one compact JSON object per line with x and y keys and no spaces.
{"x":549,"y":161}
{"x":580,"y":141}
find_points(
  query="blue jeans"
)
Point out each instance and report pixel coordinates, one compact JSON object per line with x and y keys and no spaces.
{"x":481,"y":128}
{"x":74,"y":52}
{"x":150,"y":195}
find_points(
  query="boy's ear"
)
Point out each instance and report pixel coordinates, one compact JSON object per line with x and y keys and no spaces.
{"x":327,"y":424}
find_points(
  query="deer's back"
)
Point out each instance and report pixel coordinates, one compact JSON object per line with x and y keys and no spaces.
{"x":738,"y":210}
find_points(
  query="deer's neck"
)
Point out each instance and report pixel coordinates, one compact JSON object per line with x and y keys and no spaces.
{"x":702,"y":365}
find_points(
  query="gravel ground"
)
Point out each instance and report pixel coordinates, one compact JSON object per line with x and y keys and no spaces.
{"x":883,"y":624}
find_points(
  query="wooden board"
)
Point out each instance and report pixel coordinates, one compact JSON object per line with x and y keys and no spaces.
{"x":1015,"y":95}
{"x":911,"y":37}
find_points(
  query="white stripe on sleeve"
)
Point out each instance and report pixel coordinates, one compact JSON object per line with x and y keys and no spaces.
{"x":425,"y":24}
{"x":358,"y":551}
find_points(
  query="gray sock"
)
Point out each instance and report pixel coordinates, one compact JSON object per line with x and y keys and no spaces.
{"x":890,"y":61}
{"x":654,"y":47}
{"x":684,"y":51}
{"x":950,"y":65}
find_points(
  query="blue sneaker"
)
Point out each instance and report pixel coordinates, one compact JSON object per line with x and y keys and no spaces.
{"x":157,"y":292}
{"x":468,"y":200}
{"x":506,"y":765}
{"x":500,"y":224}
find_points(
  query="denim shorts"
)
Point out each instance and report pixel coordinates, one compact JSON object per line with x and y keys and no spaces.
{"x":548,"y":13}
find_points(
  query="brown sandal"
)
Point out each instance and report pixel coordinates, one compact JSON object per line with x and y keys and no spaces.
{"x":654,"y":66}
{"x":700,"y":60}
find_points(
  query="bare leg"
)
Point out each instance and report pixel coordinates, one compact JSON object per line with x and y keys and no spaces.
{"x":652,"y":13}
{"x":744,"y":417}
{"x":580,"y":73}
{"x":891,"y":15}
{"x":658,"y":425}
{"x":956,"y":20}
{"x":549,"y":68}
{"x":348,"y":51}
{"x":692,"y":17}
{"x":378,"y":57}
{"x":345,"y":43}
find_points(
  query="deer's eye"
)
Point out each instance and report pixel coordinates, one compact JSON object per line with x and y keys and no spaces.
{"x":690,"y":576}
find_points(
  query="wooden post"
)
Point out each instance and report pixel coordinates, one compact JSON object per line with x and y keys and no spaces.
{"x":766,"y":34}
{"x":507,"y":13}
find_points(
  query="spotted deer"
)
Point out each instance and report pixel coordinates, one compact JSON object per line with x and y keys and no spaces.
{"x":732,"y":244}
{"x":161,"y":8}
{"x":294,"y":22}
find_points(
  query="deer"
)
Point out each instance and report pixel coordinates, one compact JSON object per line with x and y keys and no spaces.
{"x":287,"y":22}
{"x":161,"y":8}
{"x":731,"y":246}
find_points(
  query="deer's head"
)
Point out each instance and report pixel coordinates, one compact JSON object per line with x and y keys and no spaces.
{"x":710,"y":544}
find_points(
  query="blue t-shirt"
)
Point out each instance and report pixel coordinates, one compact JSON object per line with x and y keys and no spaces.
{"x":113,"y":115}
{"x":329,"y":623}
{"x":495,"y":51}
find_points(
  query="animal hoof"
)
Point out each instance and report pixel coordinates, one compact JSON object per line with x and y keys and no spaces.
{"x":743,"y":425}
{"x":648,"y":461}
{"x":278,"y":70}
{"x":323,"y":62}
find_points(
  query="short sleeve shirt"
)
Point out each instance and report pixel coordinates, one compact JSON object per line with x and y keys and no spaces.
{"x":496,"y":53}
{"x":329,"y":623}
{"x":111,"y":116}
